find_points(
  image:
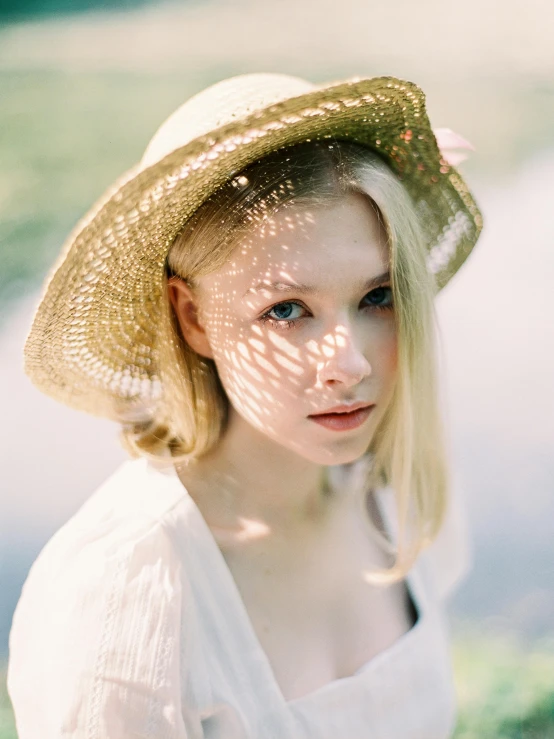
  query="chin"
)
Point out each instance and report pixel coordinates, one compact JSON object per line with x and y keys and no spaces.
{"x":346,"y":453}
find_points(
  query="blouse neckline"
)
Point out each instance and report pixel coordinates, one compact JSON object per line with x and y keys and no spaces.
{"x":363,"y":672}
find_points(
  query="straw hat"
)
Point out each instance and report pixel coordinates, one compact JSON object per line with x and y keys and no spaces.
{"x":92,"y":344}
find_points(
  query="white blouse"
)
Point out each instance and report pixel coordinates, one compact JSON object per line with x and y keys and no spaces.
{"x":130,"y":625}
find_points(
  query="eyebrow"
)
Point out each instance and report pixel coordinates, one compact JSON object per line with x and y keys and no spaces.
{"x":287,"y":287}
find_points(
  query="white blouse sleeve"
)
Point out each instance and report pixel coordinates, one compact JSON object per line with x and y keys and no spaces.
{"x":95,"y":639}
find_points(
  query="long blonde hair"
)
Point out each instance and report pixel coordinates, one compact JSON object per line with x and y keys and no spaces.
{"x":407,"y":450}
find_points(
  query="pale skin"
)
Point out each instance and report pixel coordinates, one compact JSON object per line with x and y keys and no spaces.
{"x":297,"y":552}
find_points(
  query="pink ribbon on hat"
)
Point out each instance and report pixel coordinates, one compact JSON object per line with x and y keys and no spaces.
{"x":449,"y":142}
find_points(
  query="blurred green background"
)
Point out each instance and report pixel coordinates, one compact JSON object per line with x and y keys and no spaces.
{"x":82,"y":92}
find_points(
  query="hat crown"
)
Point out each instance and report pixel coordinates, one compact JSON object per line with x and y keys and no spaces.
{"x":226,"y":101}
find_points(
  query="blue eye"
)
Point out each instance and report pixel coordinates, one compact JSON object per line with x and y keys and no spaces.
{"x":283,"y":314}
{"x":381,"y":297}
{"x":283,"y":310}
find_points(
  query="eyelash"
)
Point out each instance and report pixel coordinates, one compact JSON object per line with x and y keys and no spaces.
{"x":284,"y":324}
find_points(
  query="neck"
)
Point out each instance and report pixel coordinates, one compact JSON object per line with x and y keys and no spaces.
{"x":250,"y":478}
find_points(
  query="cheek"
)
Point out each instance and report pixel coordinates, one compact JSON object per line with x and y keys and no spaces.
{"x":259,"y":375}
{"x":391,"y":353}
{"x":386,"y":354}
{"x":233,"y":357}
{"x":263,"y":358}
{"x":253,"y":376}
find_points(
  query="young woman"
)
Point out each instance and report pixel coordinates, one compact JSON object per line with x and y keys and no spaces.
{"x":254,"y":305}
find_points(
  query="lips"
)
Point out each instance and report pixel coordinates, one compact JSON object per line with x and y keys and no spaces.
{"x":343,"y":417}
{"x":342,"y":409}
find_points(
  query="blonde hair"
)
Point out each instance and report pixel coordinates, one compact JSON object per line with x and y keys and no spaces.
{"x":407,"y":449}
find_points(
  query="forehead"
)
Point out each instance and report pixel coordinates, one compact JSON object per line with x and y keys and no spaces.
{"x":309,"y":244}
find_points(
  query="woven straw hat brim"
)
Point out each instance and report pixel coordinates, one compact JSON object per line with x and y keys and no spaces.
{"x":92,"y":344}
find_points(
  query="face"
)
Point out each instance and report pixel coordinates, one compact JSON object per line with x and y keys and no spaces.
{"x":299,"y":321}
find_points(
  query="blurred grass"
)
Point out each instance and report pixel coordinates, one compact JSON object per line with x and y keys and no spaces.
{"x":64,"y":137}
{"x":7,"y":724}
{"x":505,"y":691}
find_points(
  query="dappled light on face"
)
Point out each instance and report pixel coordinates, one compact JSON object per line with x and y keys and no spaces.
{"x":285,"y":308}
{"x":285,"y":362}
{"x":334,"y":341}
{"x":258,"y":346}
{"x":280,"y":344}
{"x":266,"y":365}
{"x":328,"y":349}
{"x":340,"y":336}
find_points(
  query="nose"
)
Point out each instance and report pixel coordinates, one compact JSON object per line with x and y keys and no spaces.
{"x":341,"y":360}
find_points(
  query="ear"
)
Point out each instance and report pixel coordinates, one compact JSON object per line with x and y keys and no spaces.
{"x":185,"y":306}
